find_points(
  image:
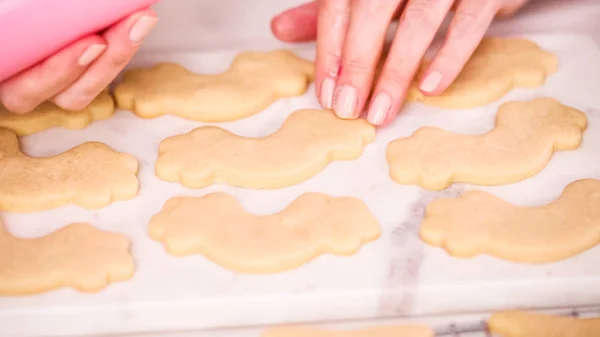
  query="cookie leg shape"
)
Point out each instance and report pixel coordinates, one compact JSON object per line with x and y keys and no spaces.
{"x":480,"y":223}
{"x":48,"y":115}
{"x":91,"y":175}
{"x":78,"y":256}
{"x":253,"y":81}
{"x":526,"y":136}
{"x":306,"y":143}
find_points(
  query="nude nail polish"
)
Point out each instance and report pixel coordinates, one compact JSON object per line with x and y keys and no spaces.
{"x":327,"y":88}
{"x":345,"y":101}
{"x":379,"y":109}
{"x":91,"y":54}
{"x":142,"y":28}
{"x":431,"y":81}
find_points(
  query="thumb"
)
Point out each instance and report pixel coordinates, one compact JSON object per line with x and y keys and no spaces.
{"x":298,"y":24}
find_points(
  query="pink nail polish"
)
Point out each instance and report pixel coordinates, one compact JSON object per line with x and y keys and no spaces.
{"x":91,"y":54}
{"x":431,"y":82}
{"x":142,"y":28}
{"x":327,"y":88}
{"x":380,"y":108}
{"x":345,"y":101}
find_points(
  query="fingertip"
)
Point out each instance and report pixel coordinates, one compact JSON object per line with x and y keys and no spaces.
{"x":71,"y":102}
{"x":15,"y":106}
{"x":134,"y":28}
{"x":432,"y":83}
{"x":280,"y":28}
{"x":298,"y":24}
{"x":379,"y":109}
{"x":391,"y":117}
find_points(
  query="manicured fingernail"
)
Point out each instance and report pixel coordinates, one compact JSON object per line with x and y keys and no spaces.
{"x":327,"y":89}
{"x":91,"y":54}
{"x":431,"y":82}
{"x":345,"y":100}
{"x":379,"y":109}
{"x":142,"y":28}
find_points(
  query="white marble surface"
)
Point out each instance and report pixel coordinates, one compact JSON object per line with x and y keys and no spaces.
{"x":469,"y":325}
{"x":396,"y":275}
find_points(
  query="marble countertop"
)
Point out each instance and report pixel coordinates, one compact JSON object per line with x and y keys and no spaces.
{"x":396,"y":275}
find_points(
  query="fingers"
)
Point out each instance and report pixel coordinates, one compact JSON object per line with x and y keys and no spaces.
{"x":331,"y":31}
{"x":417,"y":28}
{"x":25,"y":91}
{"x":510,"y":7}
{"x":297,"y":24}
{"x":123,"y":41}
{"x":468,"y":27}
{"x":369,"y":22}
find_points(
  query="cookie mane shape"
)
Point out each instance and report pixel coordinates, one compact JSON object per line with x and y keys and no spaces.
{"x":253,"y":81}
{"x":304,"y":145}
{"x":217,"y":227}
{"x":525,"y":137}
{"x":480,"y":223}
{"x":91,"y":175}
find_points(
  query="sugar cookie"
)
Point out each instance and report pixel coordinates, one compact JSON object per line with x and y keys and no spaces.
{"x":385,"y":331}
{"x":253,"y":82}
{"x":528,"y":324}
{"x":480,"y":223}
{"x":217,"y":227}
{"x":498,"y":66}
{"x":78,"y":256}
{"x":91,"y":175}
{"x":523,"y":142}
{"x":48,"y":115}
{"x":306,"y":142}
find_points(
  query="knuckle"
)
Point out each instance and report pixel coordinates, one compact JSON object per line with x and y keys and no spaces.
{"x":467,"y":27}
{"x":119,"y":60}
{"x":377,"y":6}
{"x":451,"y":62}
{"x":420,"y":13}
{"x":357,"y":65}
{"x":394,"y":77}
{"x":334,"y":9}
{"x":472,"y":20}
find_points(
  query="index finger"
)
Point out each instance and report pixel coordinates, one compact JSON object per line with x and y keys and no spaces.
{"x":331,"y":30}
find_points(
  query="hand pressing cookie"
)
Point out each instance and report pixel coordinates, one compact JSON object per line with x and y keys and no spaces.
{"x":498,"y":66}
{"x":307,"y":142}
{"x":78,"y":256}
{"x":91,"y":175}
{"x":48,"y":115}
{"x":525,"y":324}
{"x":217,"y":227}
{"x":480,"y":223}
{"x":523,"y":142}
{"x":253,"y":82}
{"x":386,"y":331}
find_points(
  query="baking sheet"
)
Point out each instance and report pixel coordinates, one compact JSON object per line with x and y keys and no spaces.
{"x":396,"y":275}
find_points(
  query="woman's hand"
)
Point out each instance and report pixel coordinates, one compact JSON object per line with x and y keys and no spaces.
{"x":73,"y":77}
{"x":350,"y":36}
